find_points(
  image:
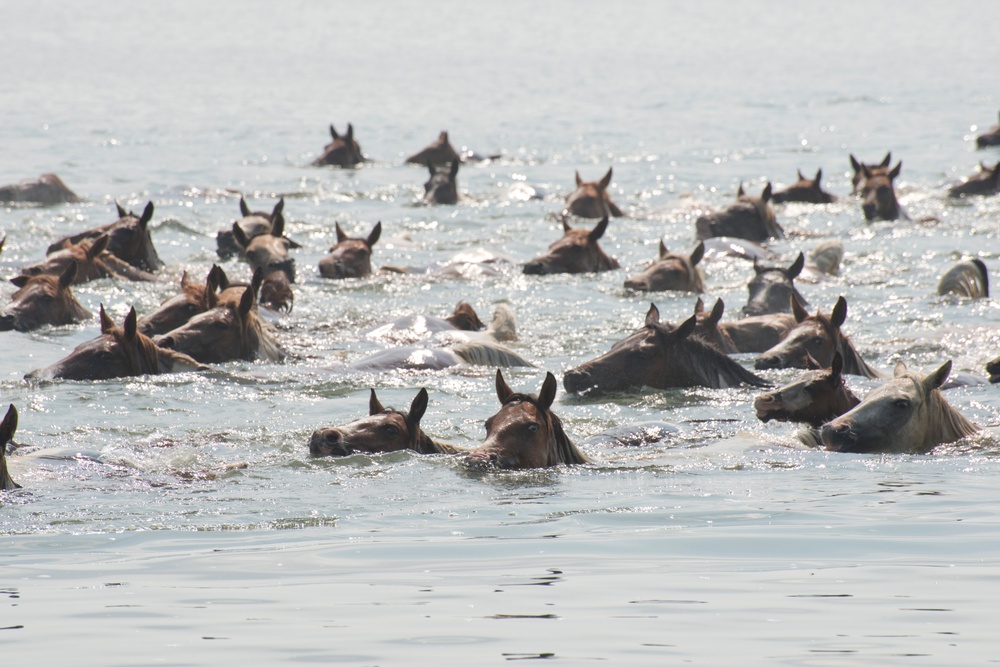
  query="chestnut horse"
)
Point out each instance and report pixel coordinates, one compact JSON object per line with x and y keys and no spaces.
{"x":442,"y":186}
{"x":758,"y":333}
{"x":968,"y":278}
{"x":708,"y":326}
{"x":671,"y":271}
{"x":350,"y":257}
{"x":819,"y":337}
{"x":750,"y":218}
{"x":813,"y":398}
{"x":591,"y":199}
{"x":93,"y":261}
{"x":117,"y":352}
{"x":268,"y":253}
{"x":253,"y":223}
{"x":227,"y":332}
{"x":7,"y":429}
{"x":907,"y":414}
{"x":807,"y":191}
{"x":438,"y":153}
{"x":859,"y":177}
{"x":195,"y":298}
{"x":985,"y":182}
{"x":990,"y":137}
{"x":384,"y":430}
{"x":772,"y":288}
{"x":43,"y":300}
{"x":46,"y":190}
{"x":576,"y":252}
{"x":343,"y":151}
{"x":525,"y":433}
{"x":878,"y":196}
{"x":129,"y":239}
{"x":660,"y":356}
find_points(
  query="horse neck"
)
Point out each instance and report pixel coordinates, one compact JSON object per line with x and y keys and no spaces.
{"x":424,"y":445}
{"x":946,"y":423}
{"x":256,"y":340}
{"x":853,"y":363}
{"x":704,"y":364}
{"x":564,"y":451}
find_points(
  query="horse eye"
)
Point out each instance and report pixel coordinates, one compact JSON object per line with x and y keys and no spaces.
{"x":533,"y":428}
{"x":901,"y":403}
{"x":193,"y":309}
{"x":104,"y":355}
{"x":390,"y":429}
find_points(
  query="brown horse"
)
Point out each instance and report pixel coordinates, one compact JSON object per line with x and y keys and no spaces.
{"x":253,"y":223}
{"x":576,"y":252}
{"x":708,"y":326}
{"x":878,"y":196}
{"x":985,"y":182}
{"x":859,"y":177}
{"x":350,"y":257}
{"x":671,"y":271}
{"x":772,"y":288}
{"x":384,"y":430}
{"x":819,"y":337}
{"x":759,"y":333}
{"x":968,"y":278}
{"x":807,"y":191}
{"x":750,"y":218}
{"x":92,"y":260}
{"x":525,"y":433}
{"x":227,"y":332}
{"x":343,"y":151}
{"x":268,"y":253}
{"x":46,"y":190}
{"x":813,"y":398}
{"x":442,"y":186}
{"x":438,"y":153}
{"x":117,"y":352}
{"x":43,"y":300}
{"x":129,"y":239}
{"x":660,"y":356}
{"x":990,"y":137}
{"x":195,"y":298}
{"x":993,"y":368}
{"x":7,"y":429}
{"x":907,"y":414}
{"x":591,"y":199}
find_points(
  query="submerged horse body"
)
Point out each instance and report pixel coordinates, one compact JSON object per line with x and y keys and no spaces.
{"x":968,"y":278}
{"x":985,"y":182}
{"x":92,"y":260}
{"x":46,"y":190}
{"x":412,"y":328}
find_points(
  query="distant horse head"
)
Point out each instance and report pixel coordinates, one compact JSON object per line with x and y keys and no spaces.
{"x":671,"y":271}
{"x":750,"y":218}
{"x":859,"y":176}
{"x":43,"y":300}
{"x":343,"y":151}
{"x":878,"y":196}
{"x":591,"y":199}
{"x":808,"y":191}
{"x":438,"y":153}
{"x":772,"y":288}
{"x":990,"y":137}
{"x":350,"y":257}
{"x":465,"y":318}
{"x":707,"y":326}
{"x":576,"y":252}
{"x":253,"y":223}
{"x":268,"y":253}
{"x":442,"y":186}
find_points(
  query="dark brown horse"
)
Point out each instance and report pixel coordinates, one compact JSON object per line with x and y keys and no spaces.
{"x":227,"y":332}
{"x":7,"y":429}
{"x":660,"y":356}
{"x":708,"y":328}
{"x":525,"y":433}
{"x":117,"y":352}
{"x":343,"y":151}
{"x":92,"y":260}
{"x":46,"y":190}
{"x":993,"y":368}
{"x":758,"y":333}
{"x":438,"y":153}
{"x":671,"y":271}
{"x":128,"y":239}
{"x":253,"y":223}
{"x":968,"y":278}
{"x":384,"y":430}
{"x":195,"y":298}
{"x":805,"y":190}
{"x":591,"y":199}
{"x":907,"y":414}
{"x":350,"y":257}
{"x":818,"y":337}
{"x":750,"y":218}
{"x":772,"y":288}
{"x":576,"y":252}
{"x":268,"y":253}
{"x":442,"y":186}
{"x":990,"y":137}
{"x":859,"y":177}
{"x":43,"y":300}
{"x":985,"y":182}
{"x":878,"y":196}
{"x":813,"y":398}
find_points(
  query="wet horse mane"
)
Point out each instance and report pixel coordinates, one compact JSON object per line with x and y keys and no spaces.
{"x":946,"y":424}
{"x":566,"y":451}
{"x":853,"y":363}
{"x":489,"y":353}
{"x":143,"y":355}
{"x":702,"y":359}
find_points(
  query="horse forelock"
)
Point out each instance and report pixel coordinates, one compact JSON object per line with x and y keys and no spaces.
{"x":142,"y":356}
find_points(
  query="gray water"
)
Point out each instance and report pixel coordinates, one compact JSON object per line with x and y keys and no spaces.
{"x":179,"y":520}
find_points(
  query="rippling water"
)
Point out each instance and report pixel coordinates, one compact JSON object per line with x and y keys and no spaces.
{"x":179,"y":519}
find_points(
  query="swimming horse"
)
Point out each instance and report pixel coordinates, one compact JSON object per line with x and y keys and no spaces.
{"x":43,"y":300}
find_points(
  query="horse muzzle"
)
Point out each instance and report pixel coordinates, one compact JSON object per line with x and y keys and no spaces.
{"x":328,"y":442}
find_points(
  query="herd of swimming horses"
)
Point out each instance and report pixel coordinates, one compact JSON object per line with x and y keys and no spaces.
{"x":215,"y":320}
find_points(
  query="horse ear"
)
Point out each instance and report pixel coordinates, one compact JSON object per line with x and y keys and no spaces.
{"x":899,"y":369}
{"x":798,"y":310}
{"x":685,"y":329}
{"x":937,"y":378}
{"x":211,"y":296}
{"x":579,"y":181}
{"x":663,"y":250}
{"x":598,"y":231}
{"x":417,"y":409}
{"x":697,"y":253}
{"x":220,"y":277}
{"x":375,"y":406}
{"x":256,"y":280}
{"x":606,"y":181}
{"x":652,"y":315}
{"x":121,"y":212}
{"x":765,"y":194}
{"x":240,"y":236}
{"x":22,"y":280}
{"x":147,"y":215}
{"x":107,"y":324}
{"x":819,"y":176}
{"x":886,"y":160}
{"x":131,"y":330}
{"x":278,"y":208}
{"x":8,"y":426}
{"x":739,"y":191}
{"x":836,"y":366}
{"x":504,"y":392}
{"x":375,"y":234}
{"x":99,"y":245}
{"x":341,"y":236}
{"x":244,"y":209}
{"x":565,"y":224}
{"x":796,"y":268}
{"x":895,"y":170}
{"x":350,"y":134}
{"x":278,"y":225}
{"x":68,"y":276}
{"x":443,"y":136}
{"x":547,"y":394}
{"x":246,"y":302}
{"x":801,"y":177}
{"x":699,"y":305}
{"x":717,"y":310}
{"x":855,"y":164}
{"x":333,"y":132}
{"x":839,"y":314}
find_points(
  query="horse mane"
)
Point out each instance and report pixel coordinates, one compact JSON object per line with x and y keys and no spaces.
{"x":699,"y":358}
{"x":853,"y":363}
{"x":565,"y":450}
{"x":256,"y":331}
{"x":489,"y":353}
{"x":143,"y":358}
{"x":947,"y":423}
